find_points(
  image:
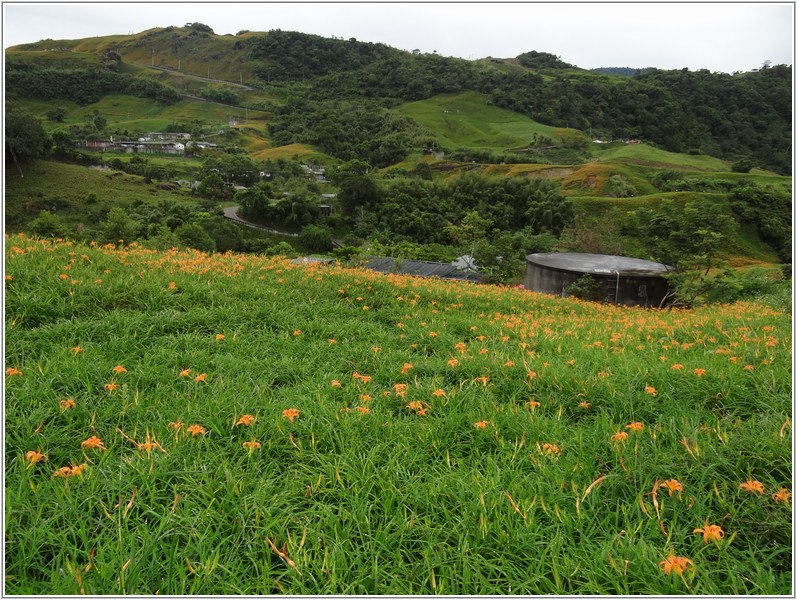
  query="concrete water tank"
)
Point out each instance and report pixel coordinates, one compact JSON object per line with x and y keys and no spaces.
{"x":623,"y":280}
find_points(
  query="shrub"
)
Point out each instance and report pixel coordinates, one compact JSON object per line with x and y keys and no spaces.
{"x":316,"y":238}
{"x":586,"y":288}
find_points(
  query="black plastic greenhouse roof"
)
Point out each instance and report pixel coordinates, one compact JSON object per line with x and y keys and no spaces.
{"x":420,"y":268}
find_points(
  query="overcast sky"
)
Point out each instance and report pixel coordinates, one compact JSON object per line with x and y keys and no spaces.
{"x":719,"y":36}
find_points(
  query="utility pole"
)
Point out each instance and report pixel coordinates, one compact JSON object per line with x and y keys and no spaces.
{"x":153,"y":57}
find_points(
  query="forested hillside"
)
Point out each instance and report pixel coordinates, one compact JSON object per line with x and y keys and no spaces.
{"x":729,"y":116}
{"x":744,"y":115}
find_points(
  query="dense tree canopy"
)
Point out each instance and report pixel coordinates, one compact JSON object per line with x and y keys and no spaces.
{"x":25,"y":137}
{"x":744,"y":115}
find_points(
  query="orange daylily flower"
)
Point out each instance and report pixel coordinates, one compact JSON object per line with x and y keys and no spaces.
{"x":151,"y":443}
{"x":620,"y":436}
{"x":11,"y":372}
{"x":66,"y":404}
{"x":752,"y":486}
{"x":677,"y":367}
{"x":438,"y":392}
{"x":711,"y":533}
{"x":70,"y":471}
{"x":110,"y":387}
{"x":363,"y":409}
{"x":784,"y":495}
{"x":418,"y":407}
{"x":219,"y":336}
{"x":453,"y":362}
{"x":672,"y":485}
{"x":245,"y":420}
{"x":34,"y":456}
{"x":406,"y":368}
{"x":63,"y":472}
{"x":93,"y":442}
{"x":185,"y":372}
{"x":480,"y":424}
{"x":700,"y":372}
{"x":533,"y":404}
{"x":551,"y":449}
{"x":583,"y":404}
{"x":176,"y":425}
{"x":335,"y":383}
{"x":77,"y":349}
{"x":251,"y":445}
{"x":366,"y":397}
{"x":196,"y":430}
{"x":401,"y":389}
{"x":291,"y":414}
{"x":676,"y":564}
{"x":119,"y":369}
{"x":635,"y":426}
{"x":297,"y":332}
{"x":201,"y":377}
{"x":649,"y":389}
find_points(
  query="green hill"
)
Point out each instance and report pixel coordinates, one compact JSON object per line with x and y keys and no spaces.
{"x":746,"y":115}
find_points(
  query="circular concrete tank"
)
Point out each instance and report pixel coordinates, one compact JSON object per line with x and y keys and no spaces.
{"x":627,"y":281}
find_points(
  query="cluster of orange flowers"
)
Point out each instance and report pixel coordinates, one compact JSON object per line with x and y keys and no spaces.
{"x":72,"y":471}
{"x":519,"y":326}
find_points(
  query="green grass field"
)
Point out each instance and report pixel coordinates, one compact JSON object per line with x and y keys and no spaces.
{"x":470,"y":122}
{"x":67,"y":187}
{"x":646,"y":155}
{"x":178,"y":423}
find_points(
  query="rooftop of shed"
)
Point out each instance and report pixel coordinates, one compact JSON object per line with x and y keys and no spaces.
{"x":599,"y":264}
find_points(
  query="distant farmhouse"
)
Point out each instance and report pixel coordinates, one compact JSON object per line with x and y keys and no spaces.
{"x":155,"y":142}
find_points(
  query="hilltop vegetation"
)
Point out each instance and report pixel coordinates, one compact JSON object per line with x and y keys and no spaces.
{"x":420,"y":150}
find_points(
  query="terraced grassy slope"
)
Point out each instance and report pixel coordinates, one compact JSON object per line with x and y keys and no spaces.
{"x":467,"y":121}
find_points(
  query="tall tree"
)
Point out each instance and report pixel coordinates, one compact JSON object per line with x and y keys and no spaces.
{"x":25,"y":137}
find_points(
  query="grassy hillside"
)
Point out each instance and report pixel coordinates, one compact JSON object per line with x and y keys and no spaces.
{"x":194,"y":52}
{"x":182,"y":424}
{"x":66,"y":188}
{"x":645,"y":154}
{"x":467,"y":120}
{"x":298,"y":117}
